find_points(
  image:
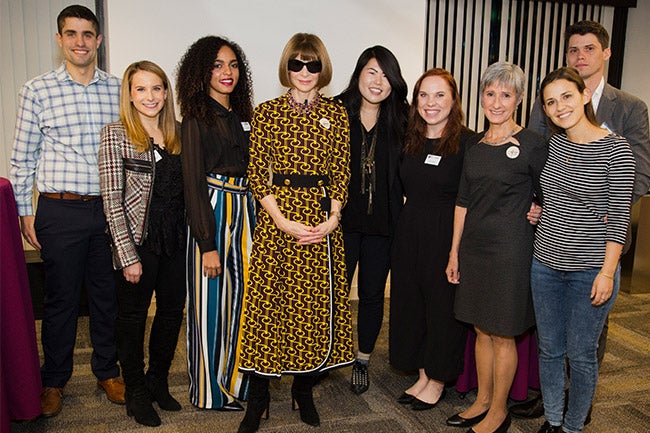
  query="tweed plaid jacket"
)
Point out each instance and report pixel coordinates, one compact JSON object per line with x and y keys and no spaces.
{"x":126,"y":182}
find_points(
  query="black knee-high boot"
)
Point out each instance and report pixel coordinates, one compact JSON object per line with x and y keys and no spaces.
{"x":162,"y":345}
{"x":257,"y":406}
{"x":301,"y":396}
{"x":129,"y":335}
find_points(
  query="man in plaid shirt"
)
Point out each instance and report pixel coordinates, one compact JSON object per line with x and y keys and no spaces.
{"x":59,"y":119}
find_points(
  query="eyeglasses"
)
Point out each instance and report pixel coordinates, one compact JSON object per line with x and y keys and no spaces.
{"x":314,"y":67}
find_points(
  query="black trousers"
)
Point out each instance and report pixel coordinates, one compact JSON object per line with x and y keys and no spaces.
{"x":372,"y":254}
{"x":75,"y":250}
{"x":161,"y":274}
{"x":164,"y":275}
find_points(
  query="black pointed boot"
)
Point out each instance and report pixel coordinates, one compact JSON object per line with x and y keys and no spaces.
{"x":162,"y":346}
{"x":302,"y":398}
{"x":257,"y":406}
{"x":129,"y":335}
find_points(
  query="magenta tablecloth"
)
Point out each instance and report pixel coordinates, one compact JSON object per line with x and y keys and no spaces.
{"x":527,"y":375}
{"x":20,"y":386}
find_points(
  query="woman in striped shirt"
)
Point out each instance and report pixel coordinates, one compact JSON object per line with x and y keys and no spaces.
{"x":587,"y":188}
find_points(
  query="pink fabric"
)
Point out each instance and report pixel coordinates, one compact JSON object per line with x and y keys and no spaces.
{"x":20,"y":384}
{"x":527,"y":375}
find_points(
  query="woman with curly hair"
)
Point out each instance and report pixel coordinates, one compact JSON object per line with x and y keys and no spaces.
{"x":215,"y":96}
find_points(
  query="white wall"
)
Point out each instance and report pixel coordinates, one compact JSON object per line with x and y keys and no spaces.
{"x":144,"y":29}
{"x":636,"y":67}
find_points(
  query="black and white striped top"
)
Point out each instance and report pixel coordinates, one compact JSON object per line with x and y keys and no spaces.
{"x":587,"y":191}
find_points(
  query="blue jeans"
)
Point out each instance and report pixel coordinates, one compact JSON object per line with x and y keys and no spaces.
{"x":568,"y":327}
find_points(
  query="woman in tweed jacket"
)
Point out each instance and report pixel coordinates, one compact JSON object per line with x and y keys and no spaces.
{"x":142,"y":188}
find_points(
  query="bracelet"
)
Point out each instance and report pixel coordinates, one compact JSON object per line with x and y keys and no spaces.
{"x":336,"y":213}
{"x":611,"y":277}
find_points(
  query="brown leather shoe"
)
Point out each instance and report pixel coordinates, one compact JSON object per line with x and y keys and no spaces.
{"x":114,"y":388}
{"x":51,"y":401}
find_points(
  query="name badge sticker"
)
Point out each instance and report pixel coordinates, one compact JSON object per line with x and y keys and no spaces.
{"x":512,"y":152}
{"x":246,"y":126}
{"x":156,"y":155}
{"x":433,"y":159}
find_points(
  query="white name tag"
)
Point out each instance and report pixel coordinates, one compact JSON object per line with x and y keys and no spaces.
{"x":156,"y":155}
{"x":246,"y":126}
{"x":433,"y":159}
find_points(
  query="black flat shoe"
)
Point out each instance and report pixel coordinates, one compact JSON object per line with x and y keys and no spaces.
{"x":423,"y":405}
{"x":530,"y":409}
{"x":505,"y":425}
{"x":503,"y":428}
{"x":459,"y":421}
{"x":405,"y":398}
{"x":359,"y":382}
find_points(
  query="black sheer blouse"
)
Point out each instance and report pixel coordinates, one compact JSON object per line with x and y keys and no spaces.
{"x":166,"y":229}
{"x":221,"y":148}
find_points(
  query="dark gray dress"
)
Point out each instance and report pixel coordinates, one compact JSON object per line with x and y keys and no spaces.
{"x":497,"y":188}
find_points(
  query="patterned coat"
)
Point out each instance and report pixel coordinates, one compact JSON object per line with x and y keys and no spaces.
{"x":125,"y":180}
{"x":296,"y":315}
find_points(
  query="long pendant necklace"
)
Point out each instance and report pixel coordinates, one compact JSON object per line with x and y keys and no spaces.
{"x":368,"y":172}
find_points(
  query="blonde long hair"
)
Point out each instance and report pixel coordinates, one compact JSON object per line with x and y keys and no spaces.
{"x":135,"y":131}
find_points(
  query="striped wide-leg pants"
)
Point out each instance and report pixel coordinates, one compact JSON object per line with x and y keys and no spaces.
{"x":214,"y":304}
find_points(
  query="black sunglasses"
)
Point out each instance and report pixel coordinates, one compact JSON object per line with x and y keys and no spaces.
{"x":315,"y":66}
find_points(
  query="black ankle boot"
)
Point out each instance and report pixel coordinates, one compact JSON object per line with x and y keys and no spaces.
{"x":302,"y":398}
{"x":257,"y":406}
{"x":159,"y":391}
{"x":138,"y":405}
{"x":162,"y":346}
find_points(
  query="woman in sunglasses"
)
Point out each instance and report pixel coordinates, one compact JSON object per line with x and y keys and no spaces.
{"x":296,"y":314}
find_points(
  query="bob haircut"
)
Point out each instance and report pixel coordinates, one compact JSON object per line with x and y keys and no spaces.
{"x":130,"y":117}
{"x":571,"y":75}
{"x":504,"y":73}
{"x":308,"y":47}
{"x":417,"y":127}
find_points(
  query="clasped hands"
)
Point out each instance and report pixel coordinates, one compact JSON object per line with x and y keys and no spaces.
{"x":307,"y":235}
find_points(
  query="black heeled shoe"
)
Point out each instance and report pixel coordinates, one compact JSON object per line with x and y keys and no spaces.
{"x":423,"y":405}
{"x":233,"y":406}
{"x":255,"y":412}
{"x":459,"y":421}
{"x":308,"y":413}
{"x":302,"y":399}
{"x":257,"y":408}
{"x":138,"y":405}
{"x":159,"y":391}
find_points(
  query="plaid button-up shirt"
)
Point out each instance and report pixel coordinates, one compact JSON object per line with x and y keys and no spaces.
{"x":57,"y":134}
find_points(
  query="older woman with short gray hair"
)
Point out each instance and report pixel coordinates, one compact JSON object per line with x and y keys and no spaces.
{"x":491,"y":251}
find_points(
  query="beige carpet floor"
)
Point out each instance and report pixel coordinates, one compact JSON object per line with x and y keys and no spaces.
{"x":622,"y":402}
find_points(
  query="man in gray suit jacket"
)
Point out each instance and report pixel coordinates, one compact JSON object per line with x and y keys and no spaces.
{"x":587,"y":50}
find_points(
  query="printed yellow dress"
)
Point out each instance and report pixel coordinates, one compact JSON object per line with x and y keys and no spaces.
{"x":296,"y":312}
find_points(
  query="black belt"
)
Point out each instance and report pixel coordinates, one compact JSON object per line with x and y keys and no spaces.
{"x":69,"y":196}
{"x":300,"y":180}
